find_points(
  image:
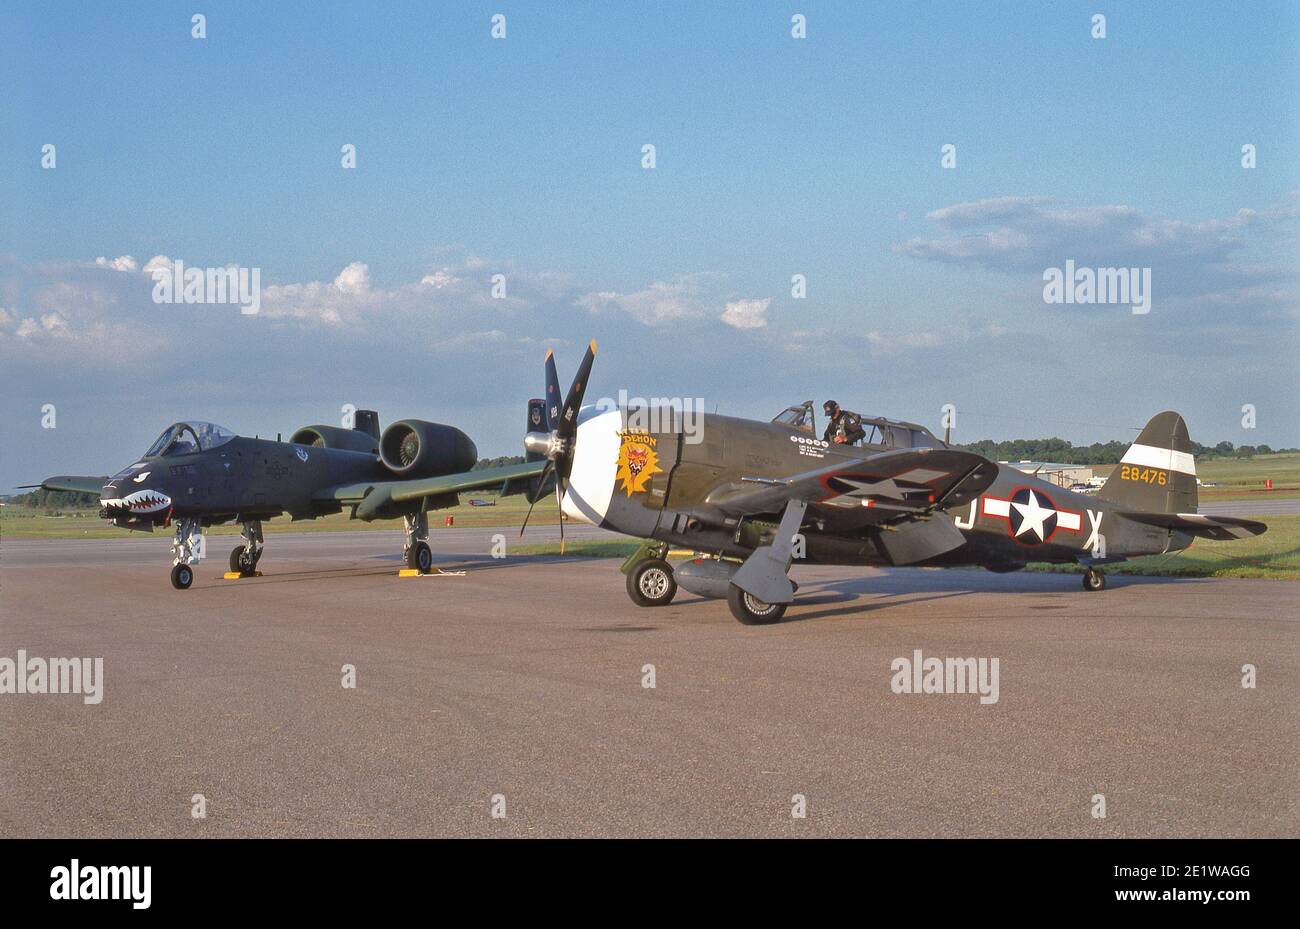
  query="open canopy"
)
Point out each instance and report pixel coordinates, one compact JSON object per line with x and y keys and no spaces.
{"x":798,"y":417}
{"x":187,"y":438}
{"x":889,"y":433}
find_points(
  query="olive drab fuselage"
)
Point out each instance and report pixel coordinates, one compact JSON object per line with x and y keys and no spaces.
{"x":1017,"y":519}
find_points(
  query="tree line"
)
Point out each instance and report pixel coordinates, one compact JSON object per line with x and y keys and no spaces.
{"x":1065,"y":452}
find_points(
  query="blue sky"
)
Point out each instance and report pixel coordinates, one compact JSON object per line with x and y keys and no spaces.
{"x":522,"y":156}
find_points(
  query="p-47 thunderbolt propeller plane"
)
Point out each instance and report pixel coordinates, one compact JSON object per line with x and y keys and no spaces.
{"x":751,"y":497}
{"x":198,"y":474}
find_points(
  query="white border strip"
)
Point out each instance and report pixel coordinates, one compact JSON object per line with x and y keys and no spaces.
{"x":1148,"y":456}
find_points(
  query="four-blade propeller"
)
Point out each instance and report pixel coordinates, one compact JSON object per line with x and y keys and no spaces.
{"x":557,"y":444}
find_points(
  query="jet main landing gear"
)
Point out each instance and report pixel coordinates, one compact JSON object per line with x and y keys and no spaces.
{"x":244,"y":558}
{"x":187,"y":549}
{"x":416,"y":547}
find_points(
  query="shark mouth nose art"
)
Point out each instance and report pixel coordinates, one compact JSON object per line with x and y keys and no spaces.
{"x":142,"y":501}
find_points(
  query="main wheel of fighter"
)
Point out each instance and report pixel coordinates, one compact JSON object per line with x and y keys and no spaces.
{"x":1094,"y":580}
{"x":651,"y":583}
{"x":419,"y":557}
{"x":240,"y":562}
{"x":182,"y":576}
{"x":752,"y":611}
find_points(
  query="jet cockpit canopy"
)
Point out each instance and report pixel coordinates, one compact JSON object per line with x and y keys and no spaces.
{"x":188,"y":438}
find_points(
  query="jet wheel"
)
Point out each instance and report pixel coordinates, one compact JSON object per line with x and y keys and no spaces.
{"x":182,"y":576}
{"x":419,"y":557}
{"x":752,"y":611}
{"x":241,"y":563}
{"x":651,"y":583}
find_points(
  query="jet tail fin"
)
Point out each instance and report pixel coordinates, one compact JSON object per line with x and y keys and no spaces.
{"x":366,"y":421}
{"x":1158,"y":473}
{"x":536,"y":423}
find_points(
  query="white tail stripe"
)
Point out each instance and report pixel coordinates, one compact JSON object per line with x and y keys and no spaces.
{"x":1148,"y":456}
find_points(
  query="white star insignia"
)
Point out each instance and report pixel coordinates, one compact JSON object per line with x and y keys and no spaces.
{"x":1032,"y":516}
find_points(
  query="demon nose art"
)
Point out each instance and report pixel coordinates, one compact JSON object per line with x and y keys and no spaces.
{"x":637,"y":461}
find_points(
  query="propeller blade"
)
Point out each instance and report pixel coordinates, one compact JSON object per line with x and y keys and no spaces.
{"x":568,"y":424}
{"x":559,"y":497}
{"x":552,"y":393}
{"x":541,"y":485}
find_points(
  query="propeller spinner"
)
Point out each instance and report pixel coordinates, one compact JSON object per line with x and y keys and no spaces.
{"x":557,"y":444}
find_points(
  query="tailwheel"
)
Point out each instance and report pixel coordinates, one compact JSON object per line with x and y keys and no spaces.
{"x":182,"y":576}
{"x":651,"y":583}
{"x":752,"y":611}
{"x":1094,"y":580}
{"x":419,"y":557}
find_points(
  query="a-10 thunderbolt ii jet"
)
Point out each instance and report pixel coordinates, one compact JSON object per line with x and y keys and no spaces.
{"x":751,"y":497}
{"x":198,"y":474}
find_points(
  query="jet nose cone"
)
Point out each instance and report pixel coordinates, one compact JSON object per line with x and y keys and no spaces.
{"x":132,"y":496}
{"x":110,"y":498}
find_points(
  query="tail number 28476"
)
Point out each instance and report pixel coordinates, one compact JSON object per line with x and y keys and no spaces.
{"x":1146,"y":475}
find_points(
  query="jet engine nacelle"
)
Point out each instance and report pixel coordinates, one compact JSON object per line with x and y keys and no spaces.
{"x":352,"y":440}
{"x":415,"y":448}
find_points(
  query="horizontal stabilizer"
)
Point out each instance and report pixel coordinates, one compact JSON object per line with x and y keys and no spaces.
{"x":1219,"y":528}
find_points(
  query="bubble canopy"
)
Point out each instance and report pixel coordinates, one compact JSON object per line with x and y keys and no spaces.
{"x":188,"y":438}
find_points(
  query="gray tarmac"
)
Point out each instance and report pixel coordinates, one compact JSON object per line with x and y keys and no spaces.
{"x":1253,"y":509}
{"x":523,"y":678}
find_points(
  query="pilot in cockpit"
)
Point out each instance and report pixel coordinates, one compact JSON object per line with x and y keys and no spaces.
{"x":843,"y":428}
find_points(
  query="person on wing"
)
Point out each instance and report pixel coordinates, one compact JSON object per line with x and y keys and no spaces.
{"x":844,"y":428}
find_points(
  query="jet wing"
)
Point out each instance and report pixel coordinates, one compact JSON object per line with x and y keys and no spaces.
{"x":372,"y":496}
{"x":1218,"y":528}
{"x":892,"y":486}
{"x":71,"y":483}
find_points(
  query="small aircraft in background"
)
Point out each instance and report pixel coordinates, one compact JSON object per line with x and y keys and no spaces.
{"x":198,"y":474}
{"x":751,"y":497}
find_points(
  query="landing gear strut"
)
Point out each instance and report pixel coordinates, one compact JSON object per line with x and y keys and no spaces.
{"x":187,"y":549}
{"x":416,"y":547}
{"x":1094,"y":580}
{"x":760,"y":591}
{"x":244,"y":558}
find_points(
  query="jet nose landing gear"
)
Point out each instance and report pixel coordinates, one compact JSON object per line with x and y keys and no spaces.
{"x":182,"y":576}
{"x":187,"y":549}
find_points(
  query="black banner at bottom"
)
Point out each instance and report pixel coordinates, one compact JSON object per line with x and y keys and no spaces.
{"x":144,"y":878}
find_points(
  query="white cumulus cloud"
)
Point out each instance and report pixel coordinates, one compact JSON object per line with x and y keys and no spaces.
{"x":123,"y":263}
{"x":746,"y":314}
